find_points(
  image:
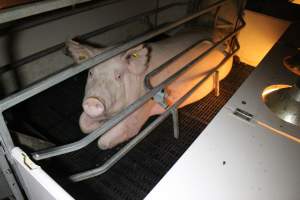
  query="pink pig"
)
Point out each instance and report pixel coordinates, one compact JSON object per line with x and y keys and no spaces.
{"x":116,"y":83}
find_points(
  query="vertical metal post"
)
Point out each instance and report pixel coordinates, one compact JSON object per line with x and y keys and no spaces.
{"x":5,"y":137}
{"x":216,"y":17}
{"x":7,"y":144}
{"x":216,"y":83}
{"x":8,"y":174}
{"x":156,"y":14}
{"x":174,"y":112}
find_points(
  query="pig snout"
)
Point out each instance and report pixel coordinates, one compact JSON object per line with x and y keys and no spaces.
{"x":93,"y":107}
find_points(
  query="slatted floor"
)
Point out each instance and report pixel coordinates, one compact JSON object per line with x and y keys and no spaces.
{"x":55,"y":113}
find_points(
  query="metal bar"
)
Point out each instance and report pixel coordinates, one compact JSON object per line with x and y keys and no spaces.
{"x":27,"y":10}
{"x":121,"y":153}
{"x":86,"y":36}
{"x":216,"y":17}
{"x":5,"y":137}
{"x":128,"y":20}
{"x":123,"y":114}
{"x":9,"y":176}
{"x":116,"y":157}
{"x":75,"y":69}
{"x":216,"y":83}
{"x":175,"y":123}
{"x":25,"y":24}
{"x":156,"y":71}
{"x":156,"y":15}
{"x":223,"y":23}
{"x":166,"y":64}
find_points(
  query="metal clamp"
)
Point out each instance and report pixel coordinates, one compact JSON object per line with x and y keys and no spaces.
{"x":160,"y":98}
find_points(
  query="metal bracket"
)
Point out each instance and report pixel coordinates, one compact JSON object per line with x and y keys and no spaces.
{"x":28,"y":162}
{"x":160,"y":98}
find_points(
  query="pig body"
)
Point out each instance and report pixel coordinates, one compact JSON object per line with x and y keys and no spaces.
{"x":119,"y":81}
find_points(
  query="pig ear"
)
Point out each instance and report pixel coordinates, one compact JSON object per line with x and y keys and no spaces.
{"x":137,"y":59}
{"x":80,"y":52}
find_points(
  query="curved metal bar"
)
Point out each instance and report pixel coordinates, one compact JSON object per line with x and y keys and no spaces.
{"x":116,"y":157}
{"x":123,"y":114}
{"x":147,"y":83}
{"x":121,"y":153}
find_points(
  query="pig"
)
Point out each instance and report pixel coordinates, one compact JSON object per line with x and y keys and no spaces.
{"x":116,"y":83}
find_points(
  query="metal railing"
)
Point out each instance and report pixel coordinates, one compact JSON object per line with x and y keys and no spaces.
{"x":170,"y":110}
{"x":105,"y":55}
{"x":88,"y":35}
{"x":75,"y":69}
{"x":35,"y":8}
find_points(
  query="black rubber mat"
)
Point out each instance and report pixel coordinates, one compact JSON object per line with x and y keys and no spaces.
{"x":55,"y":113}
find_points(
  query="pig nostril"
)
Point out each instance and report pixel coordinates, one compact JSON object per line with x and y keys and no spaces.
{"x":93,"y":107}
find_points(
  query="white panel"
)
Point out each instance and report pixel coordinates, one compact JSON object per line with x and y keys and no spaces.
{"x":233,"y":160}
{"x":36,"y":181}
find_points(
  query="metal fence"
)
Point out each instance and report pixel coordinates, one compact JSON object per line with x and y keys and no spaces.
{"x":72,"y":70}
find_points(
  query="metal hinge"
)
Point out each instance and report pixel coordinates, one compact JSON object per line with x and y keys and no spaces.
{"x":243,"y":114}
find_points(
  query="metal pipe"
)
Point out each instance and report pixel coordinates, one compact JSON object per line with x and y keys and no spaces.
{"x":216,"y":17}
{"x":175,"y":123}
{"x":85,"y":36}
{"x":121,"y":153}
{"x":147,"y":82}
{"x":9,"y":175}
{"x":157,"y":70}
{"x":75,"y":69}
{"x":5,"y":137}
{"x":25,"y":24}
{"x":31,"y":9}
{"x":123,"y":114}
{"x":128,"y":20}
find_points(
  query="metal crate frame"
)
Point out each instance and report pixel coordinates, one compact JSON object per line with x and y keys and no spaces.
{"x":5,"y":137}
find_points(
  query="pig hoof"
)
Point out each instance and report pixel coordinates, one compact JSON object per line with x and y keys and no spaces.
{"x":103,"y":145}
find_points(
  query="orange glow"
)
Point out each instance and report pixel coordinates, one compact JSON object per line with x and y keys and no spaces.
{"x":259,"y":36}
{"x":279,"y":132}
{"x":296,"y":1}
{"x":273,"y":88}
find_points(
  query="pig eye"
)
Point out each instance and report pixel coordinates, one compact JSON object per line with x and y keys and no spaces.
{"x":90,"y":74}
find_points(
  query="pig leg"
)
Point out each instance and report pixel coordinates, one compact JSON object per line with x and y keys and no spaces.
{"x":87,"y":124}
{"x":126,"y":129}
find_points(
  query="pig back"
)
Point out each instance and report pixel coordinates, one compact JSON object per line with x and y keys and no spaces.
{"x":197,"y":72}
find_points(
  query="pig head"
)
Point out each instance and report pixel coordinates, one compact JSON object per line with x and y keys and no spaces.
{"x":111,"y":86}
